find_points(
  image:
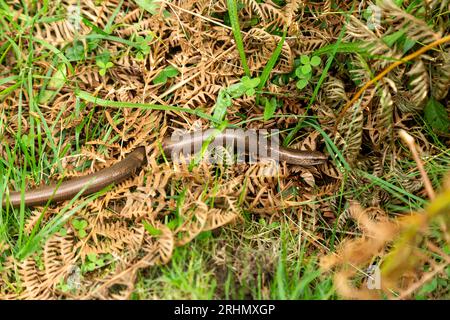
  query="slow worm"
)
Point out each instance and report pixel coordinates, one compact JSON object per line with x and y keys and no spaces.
{"x":125,"y":168}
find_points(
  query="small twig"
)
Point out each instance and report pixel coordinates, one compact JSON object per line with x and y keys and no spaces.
{"x":406,"y":137}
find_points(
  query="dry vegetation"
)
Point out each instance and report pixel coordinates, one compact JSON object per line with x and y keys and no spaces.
{"x":53,"y":64}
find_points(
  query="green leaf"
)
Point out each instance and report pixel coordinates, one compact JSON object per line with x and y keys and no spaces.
{"x":168,"y":72}
{"x":306,"y":76}
{"x":148,"y":5}
{"x":161,"y":78}
{"x":108,"y":256}
{"x":436,"y":116}
{"x":367,"y":13}
{"x":75,"y":52}
{"x":250,"y":92}
{"x":92,"y":257}
{"x":304,"y":59}
{"x":57,"y":82}
{"x":76,"y":224}
{"x":236,"y":90}
{"x":109,"y":65}
{"x":269,"y":108}
{"x":139,"y":56}
{"x":103,"y":57}
{"x":250,"y":83}
{"x":429,"y":287}
{"x":90,"y":266}
{"x":306,"y":69}
{"x":204,"y":235}
{"x":302,"y":83}
{"x":79,"y":224}
{"x":100,"y":64}
{"x":393,"y":38}
{"x":222,"y":103}
{"x":298,"y":72}
{"x":227,"y":101}
{"x":151,"y":229}
{"x":171,"y":71}
{"x":82,"y":233}
{"x":83,"y":224}
{"x":255,"y":82}
{"x":234,"y":20}
{"x":315,"y":61}
{"x":271,"y":63}
{"x":174,"y":223}
{"x":409,"y":43}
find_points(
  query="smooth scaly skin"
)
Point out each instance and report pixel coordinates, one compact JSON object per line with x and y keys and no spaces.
{"x":91,"y":183}
{"x":194,"y":141}
{"x":120,"y":171}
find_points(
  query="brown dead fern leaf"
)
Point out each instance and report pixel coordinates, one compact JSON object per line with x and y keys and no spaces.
{"x":396,"y":242}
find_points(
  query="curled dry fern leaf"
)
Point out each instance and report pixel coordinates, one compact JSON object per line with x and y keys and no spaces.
{"x":382,"y":121}
{"x":419,"y":83}
{"x":349,"y":134}
{"x":440,"y":82}
{"x":416,"y":29}
{"x":57,"y":260}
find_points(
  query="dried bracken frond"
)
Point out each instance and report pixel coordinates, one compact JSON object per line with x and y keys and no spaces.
{"x":440,"y":81}
{"x":349,"y":136}
{"x":419,"y":83}
{"x":266,"y":44}
{"x":58,"y":258}
{"x":335,"y":92}
{"x":415,"y":28}
{"x":357,"y":30}
{"x":382,"y":120}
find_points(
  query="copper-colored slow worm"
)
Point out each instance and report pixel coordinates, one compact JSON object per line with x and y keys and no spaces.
{"x":244,"y":141}
{"x":88,"y":184}
{"x":123,"y":169}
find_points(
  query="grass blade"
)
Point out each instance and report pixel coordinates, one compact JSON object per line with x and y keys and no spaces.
{"x":232,"y":11}
{"x":270,"y":64}
{"x":145,"y":106}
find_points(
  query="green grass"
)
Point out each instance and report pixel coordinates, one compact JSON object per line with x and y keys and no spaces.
{"x":144,"y":106}
{"x":249,"y":261}
{"x":232,"y":10}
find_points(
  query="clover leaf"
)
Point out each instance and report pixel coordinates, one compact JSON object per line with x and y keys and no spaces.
{"x":301,"y":84}
{"x":315,"y":61}
{"x":166,"y":73}
{"x":80,"y":226}
{"x":304,"y":70}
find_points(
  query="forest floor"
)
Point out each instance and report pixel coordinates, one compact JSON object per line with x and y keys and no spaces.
{"x":83,"y":83}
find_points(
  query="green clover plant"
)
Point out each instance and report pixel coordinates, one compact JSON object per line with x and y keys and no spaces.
{"x":102,"y":61}
{"x":304,"y":71}
{"x":80,"y":227}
